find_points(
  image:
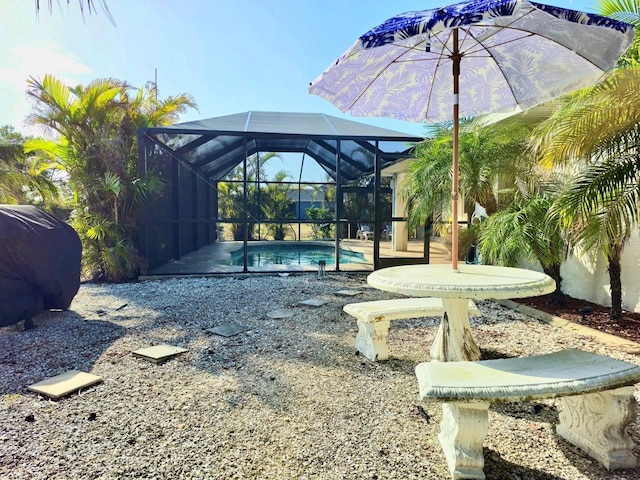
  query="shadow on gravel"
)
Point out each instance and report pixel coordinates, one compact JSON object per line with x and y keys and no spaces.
{"x":61,"y":341}
{"x":497,"y":468}
{"x":488,"y":354}
{"x":398,"y":365}
{"x":537,"y":413}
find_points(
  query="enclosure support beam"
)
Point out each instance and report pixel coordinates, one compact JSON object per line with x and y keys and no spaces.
{"x":338,"y":204}
{"x":377,"y":212}
{"x":175,"y":205}
{"x":195,"y":211}
{"x":399,"y":235}
{"x":144,"y":216}
{"x":245,"y":203}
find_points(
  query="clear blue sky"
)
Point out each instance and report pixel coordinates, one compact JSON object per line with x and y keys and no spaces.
{"x":231,"y":55}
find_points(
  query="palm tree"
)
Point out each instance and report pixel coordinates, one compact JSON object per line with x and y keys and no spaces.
{"x":147,"y":109}
{"x":276,"y":204}
{"x":94,"y":129}
{"x":601,"y":127}
{"x":525,"y":230}
{"x":326,"y":190}
{"x":492,"y":158}
{"x":601,"y":226}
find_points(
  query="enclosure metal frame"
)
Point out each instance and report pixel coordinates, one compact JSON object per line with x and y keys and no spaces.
{"x":150,"y":141}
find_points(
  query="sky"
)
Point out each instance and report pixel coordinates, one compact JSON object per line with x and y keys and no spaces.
{"x":231,"y":56}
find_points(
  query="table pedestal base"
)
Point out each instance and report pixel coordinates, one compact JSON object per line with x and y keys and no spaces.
{"x":454,"y":341}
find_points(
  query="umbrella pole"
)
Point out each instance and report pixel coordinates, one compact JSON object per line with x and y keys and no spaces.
{"x":455,"y":59}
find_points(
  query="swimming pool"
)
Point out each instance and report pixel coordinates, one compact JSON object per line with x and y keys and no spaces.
{"x":293,"y":253}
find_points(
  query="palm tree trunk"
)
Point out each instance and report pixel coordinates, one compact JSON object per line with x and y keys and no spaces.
{"x":557,"y":297}
{"x":615,"y":274}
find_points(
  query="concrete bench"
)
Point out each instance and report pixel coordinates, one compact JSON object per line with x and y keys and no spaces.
{"x":374,"y":317}
{"x":597,"y":405}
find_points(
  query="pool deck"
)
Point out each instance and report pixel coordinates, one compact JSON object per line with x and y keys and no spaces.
{"x":208,"y":259}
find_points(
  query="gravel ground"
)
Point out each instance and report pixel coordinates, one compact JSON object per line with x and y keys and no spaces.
{"x":287,"y":399}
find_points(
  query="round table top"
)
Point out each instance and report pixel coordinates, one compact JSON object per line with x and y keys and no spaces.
{"x":469,"y":281}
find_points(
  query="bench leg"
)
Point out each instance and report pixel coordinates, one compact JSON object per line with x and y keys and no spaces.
{"x":597,"y":423}
{"x":371,"y":339}
{"x":462,"y":432}
{"x":454,"y":341}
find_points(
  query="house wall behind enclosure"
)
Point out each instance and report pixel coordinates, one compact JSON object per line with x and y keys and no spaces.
{"x":588,"y":280}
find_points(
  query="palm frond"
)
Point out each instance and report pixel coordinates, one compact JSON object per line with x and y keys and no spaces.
{"x":624,"y":10}
{"x":85,"y":5}
{"x":591,"y":120}
{"x":601,"y":205}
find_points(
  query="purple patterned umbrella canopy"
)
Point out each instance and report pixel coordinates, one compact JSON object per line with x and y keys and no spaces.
{"x":471,"y":58}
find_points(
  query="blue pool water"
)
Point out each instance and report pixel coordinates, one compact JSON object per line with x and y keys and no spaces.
{"x":293,"y":253}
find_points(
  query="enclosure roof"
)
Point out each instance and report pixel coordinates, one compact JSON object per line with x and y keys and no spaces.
{"x":290,"y":123}
{"x":214,"y":146}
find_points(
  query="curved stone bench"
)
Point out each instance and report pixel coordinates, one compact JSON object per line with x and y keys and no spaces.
{"x":598,"y":403}
{"x":374,"y":318}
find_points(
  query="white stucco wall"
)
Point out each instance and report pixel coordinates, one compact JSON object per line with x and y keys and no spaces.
{"x":588,"y":280}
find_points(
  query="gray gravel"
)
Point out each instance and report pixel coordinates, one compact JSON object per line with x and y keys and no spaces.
{"x":287,"y":399}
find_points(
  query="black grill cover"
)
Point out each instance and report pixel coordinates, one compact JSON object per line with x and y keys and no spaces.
{"x":39,"y":263}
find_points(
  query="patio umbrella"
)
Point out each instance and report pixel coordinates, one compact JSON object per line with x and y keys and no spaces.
{"x":471,"y":58}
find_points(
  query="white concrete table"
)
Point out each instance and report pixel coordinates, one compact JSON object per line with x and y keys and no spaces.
{"x":454,"y":340}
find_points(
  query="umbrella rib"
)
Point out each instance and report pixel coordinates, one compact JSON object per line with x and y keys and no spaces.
{"x":530,"y":34}
{"x":432,"y":84}
{"x":555,"y":42}
{"x":498,"y":66}
{"x":497,"y":29}
{"x":518,"y":29}
{"x":479,"y":46}
{"x":395,"y":60}
{"x":443,"y":43}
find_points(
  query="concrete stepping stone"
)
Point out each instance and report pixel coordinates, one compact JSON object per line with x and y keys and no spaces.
{"x":314,"y":302}
{"x":159,"y":353}
{"x":348,"y":293}
{"x":282,"y":313}
{"x":228,"y":330}
{"x":64,"y":384}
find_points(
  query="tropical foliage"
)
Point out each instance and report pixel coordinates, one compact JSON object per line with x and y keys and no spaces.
{"x":599,"y":126}
{"x":91,"y":135}
{"x":325,"y":191}
{"x":24,"y":178}
{"x":320,"y":230}
{"x":597,"y":131}
{"x":492,"y":160}
{"x":231,"y":195}
{"x":276,"y":205}
{"x":524,"y":230}
{"x":491,"y":157}
{"x":626,"y":11}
